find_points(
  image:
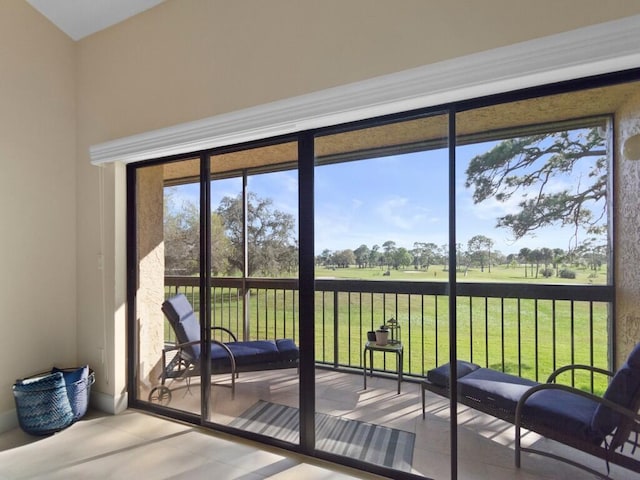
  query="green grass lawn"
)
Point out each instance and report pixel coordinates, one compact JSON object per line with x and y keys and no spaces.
{"x":498,"y":273}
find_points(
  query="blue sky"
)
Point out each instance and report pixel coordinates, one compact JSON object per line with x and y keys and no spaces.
{"x":402,"y":198}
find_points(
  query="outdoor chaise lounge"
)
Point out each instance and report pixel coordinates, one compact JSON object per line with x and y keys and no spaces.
{"x":600,"y":426}
{"x":182,"y":360}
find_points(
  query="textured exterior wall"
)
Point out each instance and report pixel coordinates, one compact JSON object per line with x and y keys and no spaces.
{"x":627,"y":232}
{"x":150,"y":295}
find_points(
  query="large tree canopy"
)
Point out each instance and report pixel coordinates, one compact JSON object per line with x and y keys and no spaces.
{"x":182,"y":239}
{"x":529,"y":165}
{"x":271,"y":235}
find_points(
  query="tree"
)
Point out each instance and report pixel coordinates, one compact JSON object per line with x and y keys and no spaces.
{"x":546,"y":256}
{"x":181,"y":237}
{"x":344,"y":258}
{"x":443,"y":251}
{"x":221,"y":248}
{"x":362,"y":256}
{"x":324,"y":258}
{"x":530,"y":165}
{"x":424,"y":254}
{"x":374,"y":255}
{"x":401,"y":258}
{"x":389,"y":249}
{"x":524,"y":255}
{"x":558,"y":258}
{"x":479,"y":248}
{"x":271,"y":240}
{"x":535,"y":257}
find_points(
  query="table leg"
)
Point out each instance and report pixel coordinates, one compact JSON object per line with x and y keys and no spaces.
{"x":402,"y":365}
{"x":364,"y":359}
{"x":371,"y":363}
{"x":399,"y":369}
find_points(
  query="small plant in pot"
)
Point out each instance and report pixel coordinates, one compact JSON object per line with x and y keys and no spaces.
{"x":382,"y":335}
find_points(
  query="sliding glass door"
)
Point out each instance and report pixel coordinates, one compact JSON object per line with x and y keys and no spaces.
{"x":253,"y":203}
{"x":381,"y":243}
{"x":168,"y":263}
{"x":370,"y":254}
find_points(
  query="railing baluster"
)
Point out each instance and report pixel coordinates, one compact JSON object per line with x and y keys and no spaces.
{"x":519,"y":339}
{"x":573,"y":349}
{"x":335,"y":329}
{"x":502,"y":330}
{"x":553,"y":333}
{"x":471,"y":329}
{"x":435,"y":299}
{"x":349,"y":327}
{"x":486,"y":330}
{"x":591,"y":362}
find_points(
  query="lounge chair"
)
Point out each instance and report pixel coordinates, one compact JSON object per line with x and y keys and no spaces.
{"x":600,"y":426}
{"x":182,"y":360}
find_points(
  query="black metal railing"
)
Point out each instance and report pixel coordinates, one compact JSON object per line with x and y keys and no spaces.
{"x":525,"y":329}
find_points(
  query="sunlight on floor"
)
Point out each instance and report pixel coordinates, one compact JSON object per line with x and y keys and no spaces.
{"x":136,"y":444}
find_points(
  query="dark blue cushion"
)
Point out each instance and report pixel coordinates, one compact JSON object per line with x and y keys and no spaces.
{"x":288,"y":349}
{"x":184,"y":322}
{"x":495,"y":388}
{"x":623,"y":390}
{"x":563,"y":411}
{"x":76,"y":381}
{"x":440,"y":376}
{"x":255,"y":352}
{"x":72,"y":376}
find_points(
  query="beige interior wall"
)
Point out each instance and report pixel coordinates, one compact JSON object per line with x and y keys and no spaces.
{"x":181,"y":61}
{"x":37,"y":198}
{"x":190,"y":59}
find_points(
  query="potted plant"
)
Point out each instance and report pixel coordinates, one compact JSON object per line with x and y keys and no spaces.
{"x":382,"y":335}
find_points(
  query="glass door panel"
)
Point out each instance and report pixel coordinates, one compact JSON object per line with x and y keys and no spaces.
{"x":381,"y":240}
{"x":168,"y":264}
{"x":254,"y":269}
{"x":533,"y":252}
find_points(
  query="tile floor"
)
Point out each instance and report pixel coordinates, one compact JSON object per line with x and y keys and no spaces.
{"x":139,"y":445}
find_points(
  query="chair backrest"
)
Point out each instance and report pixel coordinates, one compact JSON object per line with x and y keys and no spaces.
{"x":183,"y":319}
{"x":624,"y":389}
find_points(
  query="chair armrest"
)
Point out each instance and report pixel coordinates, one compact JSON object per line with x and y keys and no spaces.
{"x":179,"y":346}
{"x":556,"y":386}
{"x":567,"y":368}
{"x":235,"y":339}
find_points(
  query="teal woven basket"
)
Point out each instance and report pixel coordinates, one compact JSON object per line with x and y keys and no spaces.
{"x":48,"y":403}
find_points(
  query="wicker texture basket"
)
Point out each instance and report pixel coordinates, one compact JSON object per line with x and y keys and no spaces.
{"x":47,"y":403}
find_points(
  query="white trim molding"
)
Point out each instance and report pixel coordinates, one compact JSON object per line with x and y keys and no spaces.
{"x":603,"y":48}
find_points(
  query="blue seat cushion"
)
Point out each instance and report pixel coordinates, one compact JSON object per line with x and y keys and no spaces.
{"x":440,"y":376}
{"x":563,"y":411}
{"x":185,"y":323}
{"x":77,"y":388}
{"x":494,"y":388}
{"x":72,"y":376}
{"x":254,"y":353}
